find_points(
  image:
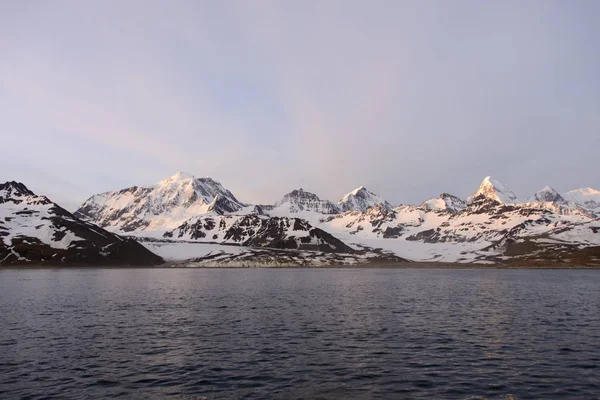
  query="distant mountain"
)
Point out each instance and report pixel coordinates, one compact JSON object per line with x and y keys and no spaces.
{"x":493,"y":225}
{"x":484,"y":231}
{"x":300,"y":200}
{"x":162,"y":206}
{"x":34,"y":230}
{"x":445,"y":202}
{"x":360,"y":199}
{"x":548,"y":195}
{"x":586,"y":198}
{"x":496,"y":191}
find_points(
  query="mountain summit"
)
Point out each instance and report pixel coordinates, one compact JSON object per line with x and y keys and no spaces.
{"x":586,"y":198}
{"x":177,"y":177}
{"x":445,"y":202}
{"x":360,"y":199}
{"x":301,"y":200}
{"x":161,"y":206}
{"x":547,"y":195}
{"x":495,"y":190}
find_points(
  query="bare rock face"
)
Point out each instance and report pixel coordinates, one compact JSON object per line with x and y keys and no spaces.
{"x":34,"y":230}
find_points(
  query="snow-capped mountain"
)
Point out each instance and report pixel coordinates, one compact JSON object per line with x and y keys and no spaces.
{"x":360,"y":199}
{"x":298,"y":201}
{"x":445,"y":202}
{"x":33,"y":229}
{"x":550,"y":199}
{"x":484,"y":231}
{"x":547,"y":195}
{"x":586,"y":198}
{"x":162,"y":206}
{"x":259,"y":231}
{"x":494,"y":190}
{"x":492,"y":226}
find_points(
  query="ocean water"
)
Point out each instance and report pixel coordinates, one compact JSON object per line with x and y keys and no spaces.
{"x":299,"y":333}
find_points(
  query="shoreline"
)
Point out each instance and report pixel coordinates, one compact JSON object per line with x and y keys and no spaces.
{"x":408,"y":265}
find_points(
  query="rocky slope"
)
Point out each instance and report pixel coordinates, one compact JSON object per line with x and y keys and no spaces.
{"x":259,"y":231}
{"x":34,"y":230}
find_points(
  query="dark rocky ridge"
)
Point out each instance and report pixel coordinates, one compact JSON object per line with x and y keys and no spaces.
{"x":260,"y":231}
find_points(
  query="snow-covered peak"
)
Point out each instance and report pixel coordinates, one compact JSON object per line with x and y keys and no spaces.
{"x":360,"y":199}
{"x":445,"y":202}
{"x":355,"y":191}
{"x":587,"y":198}
{"x":13,"y":188}
{"x":298,"y":195}
{"x":177,"y":177}
{"x":301,"y":200}
{"x":495,"y":190}
{"x":160,"y":206}
{"x":17,"y":192}
{"x":547,"y":195}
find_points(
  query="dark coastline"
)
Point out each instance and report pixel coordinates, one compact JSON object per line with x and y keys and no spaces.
{"x":409,"y":265}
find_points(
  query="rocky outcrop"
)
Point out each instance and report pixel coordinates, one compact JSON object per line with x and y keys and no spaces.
{"x":34,"y":230}
{"x":259,"y":231}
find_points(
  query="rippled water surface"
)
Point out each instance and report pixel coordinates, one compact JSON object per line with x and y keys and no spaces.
{"x":299,"y":333}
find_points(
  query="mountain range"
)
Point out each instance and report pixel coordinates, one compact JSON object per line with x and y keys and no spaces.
{"x":197,"y":221}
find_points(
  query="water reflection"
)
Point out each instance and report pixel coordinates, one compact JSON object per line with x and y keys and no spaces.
{"x":326,"y":333}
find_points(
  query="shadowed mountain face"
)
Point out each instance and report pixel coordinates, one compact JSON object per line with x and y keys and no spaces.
{"x":548,"y":194}
{"x":34,"y":230}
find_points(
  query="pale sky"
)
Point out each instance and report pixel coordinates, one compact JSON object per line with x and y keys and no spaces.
{"x":408,"y":98}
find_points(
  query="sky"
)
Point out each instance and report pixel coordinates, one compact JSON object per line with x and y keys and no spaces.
{"x":407,"y":98}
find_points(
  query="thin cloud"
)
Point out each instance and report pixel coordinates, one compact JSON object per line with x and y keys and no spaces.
{"x":409,"y":99}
